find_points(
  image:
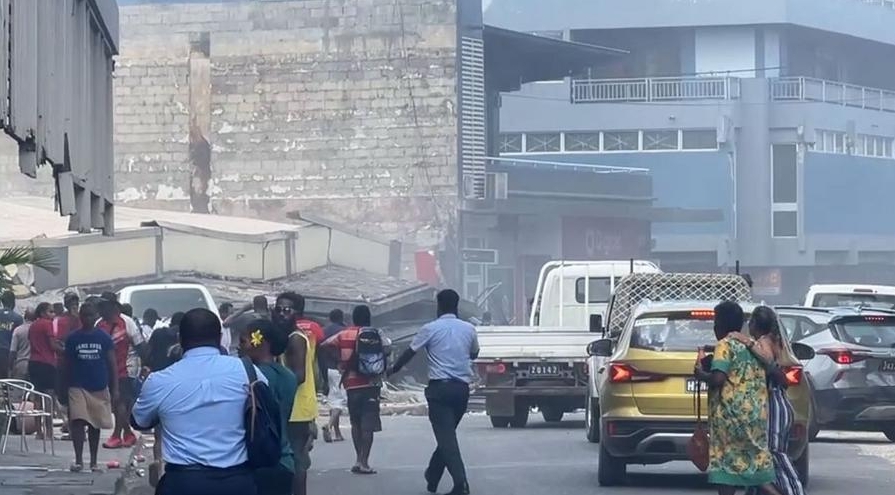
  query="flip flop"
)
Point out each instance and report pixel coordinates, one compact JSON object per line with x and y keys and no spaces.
{"x":355,"y":469}
{"x":361,"y":470}
{"x":76,"y":468}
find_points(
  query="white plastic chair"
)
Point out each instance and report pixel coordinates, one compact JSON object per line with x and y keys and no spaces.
{"x":13,"y":396}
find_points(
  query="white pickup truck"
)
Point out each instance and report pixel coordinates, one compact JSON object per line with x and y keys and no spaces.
{"x":544,"y":364}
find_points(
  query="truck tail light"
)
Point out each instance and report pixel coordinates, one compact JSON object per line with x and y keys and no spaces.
{"x":496,"y":368}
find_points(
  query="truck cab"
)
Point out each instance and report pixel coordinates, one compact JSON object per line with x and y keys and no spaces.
{"x":569,"y":292}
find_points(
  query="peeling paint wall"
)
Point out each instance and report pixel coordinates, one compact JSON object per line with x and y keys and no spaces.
{"x":340,"y":108}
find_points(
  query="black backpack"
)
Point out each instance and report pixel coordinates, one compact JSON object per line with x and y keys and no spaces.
{"x":369,"y":353}
{"x":262,"y":422}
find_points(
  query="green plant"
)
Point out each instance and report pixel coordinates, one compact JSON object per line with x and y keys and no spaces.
{"x":37,"y":257}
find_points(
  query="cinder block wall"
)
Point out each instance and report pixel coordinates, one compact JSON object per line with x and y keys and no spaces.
{"x":346,"y":109}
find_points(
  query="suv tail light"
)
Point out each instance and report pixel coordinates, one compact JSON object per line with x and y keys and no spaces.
{"x":625,"y":373}
{"x":793,"y":375}
{"x":842,"y":356}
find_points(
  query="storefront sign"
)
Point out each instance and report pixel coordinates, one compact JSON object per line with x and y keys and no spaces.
{"x":588,"y":238}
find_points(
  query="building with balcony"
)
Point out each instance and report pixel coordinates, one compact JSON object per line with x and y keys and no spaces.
{"x":774,"y":118}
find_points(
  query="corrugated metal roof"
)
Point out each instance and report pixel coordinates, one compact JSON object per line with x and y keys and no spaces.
{"x":25,"y":218}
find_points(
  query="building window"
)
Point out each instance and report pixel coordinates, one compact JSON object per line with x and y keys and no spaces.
{"x":621,"y":141}
{"x":700,"y":140}
{"x":784,"y":168}
{"x":582,"y":141}
{"x":511,"y":143}
{"x":786,"y":224}
{"x":784,"y":190}
{"x":660,"y":140}
{"x":543,"y":142}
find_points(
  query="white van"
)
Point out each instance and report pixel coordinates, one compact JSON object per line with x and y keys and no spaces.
{"x":568,"y":292}
{"x":167,"y":299}
{"x":839,"y":295}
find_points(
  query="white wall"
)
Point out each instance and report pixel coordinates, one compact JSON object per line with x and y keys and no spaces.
{"x":722,"y":49}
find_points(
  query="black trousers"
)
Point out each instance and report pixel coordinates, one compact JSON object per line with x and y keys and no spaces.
{"x":179,"y":480}
{"x":448,"y":400}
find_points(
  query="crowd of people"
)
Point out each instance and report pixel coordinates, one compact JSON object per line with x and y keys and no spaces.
{"x":749,"y":414}
{"x":108,"y":369}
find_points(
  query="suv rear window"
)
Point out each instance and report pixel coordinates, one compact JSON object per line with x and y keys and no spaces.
{"x":868,"y":331}
{"x":167,"y":301}
{"x":854,"y":299}
{"x":677,"y":331}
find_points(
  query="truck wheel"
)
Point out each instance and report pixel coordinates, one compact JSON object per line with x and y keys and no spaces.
{"x":611,"y":471}
{"x":552,"y":414}
{"x":520,"y":418}
{"x":801,"y":465}
{"x":591,"y":421}
{"x":500,"y":421}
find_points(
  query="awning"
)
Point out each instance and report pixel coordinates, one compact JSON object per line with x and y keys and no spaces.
{"x":513,"y":58}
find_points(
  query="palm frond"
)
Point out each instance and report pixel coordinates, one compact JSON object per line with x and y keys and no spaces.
{"x":37,"y":257}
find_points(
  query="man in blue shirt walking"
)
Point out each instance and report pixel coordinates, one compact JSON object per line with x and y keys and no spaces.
{"x":451,"y":345}
{"x":199,"y":404}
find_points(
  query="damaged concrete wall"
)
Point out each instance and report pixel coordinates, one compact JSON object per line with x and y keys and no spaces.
{"x":342,"y":108}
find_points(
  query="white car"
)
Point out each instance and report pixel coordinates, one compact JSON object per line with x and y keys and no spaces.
{"x":848,"y":295}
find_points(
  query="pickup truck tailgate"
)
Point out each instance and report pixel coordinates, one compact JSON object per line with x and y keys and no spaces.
{"x":532,"y":343}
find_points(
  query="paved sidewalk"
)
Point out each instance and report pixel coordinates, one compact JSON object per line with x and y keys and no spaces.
{"x":36,"y":473}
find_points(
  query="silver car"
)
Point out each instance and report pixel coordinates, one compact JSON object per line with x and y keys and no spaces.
{"x":853,"y":373}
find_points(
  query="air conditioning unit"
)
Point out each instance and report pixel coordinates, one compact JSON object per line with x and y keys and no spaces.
{"x":496,"y":185}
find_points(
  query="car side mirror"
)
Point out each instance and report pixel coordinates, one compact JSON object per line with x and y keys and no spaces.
{"x":803,"y":352}
{"x":600,"y":348}
{"x":596,"y":324}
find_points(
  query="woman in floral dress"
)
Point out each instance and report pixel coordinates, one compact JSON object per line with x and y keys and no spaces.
{"x":738,"y":411}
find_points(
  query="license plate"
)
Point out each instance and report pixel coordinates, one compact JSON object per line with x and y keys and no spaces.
{"x":887,"y":365}
{"x":691,"y":385}
{"x":545,"y":370}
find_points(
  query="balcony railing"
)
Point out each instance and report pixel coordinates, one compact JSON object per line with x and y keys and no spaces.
{"x":654,"y":89}
{"x":850,"y":95}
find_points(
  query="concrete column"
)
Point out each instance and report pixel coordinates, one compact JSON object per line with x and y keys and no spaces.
{"x":200,"y":122}
{"x":753,"y":175}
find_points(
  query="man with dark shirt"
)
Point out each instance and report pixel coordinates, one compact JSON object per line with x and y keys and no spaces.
{"x":9,"y":321}
{"x":163,"y":345}
{"x":243,"y":317}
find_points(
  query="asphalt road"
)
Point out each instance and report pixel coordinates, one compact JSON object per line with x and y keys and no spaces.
{"x":556,"y":459}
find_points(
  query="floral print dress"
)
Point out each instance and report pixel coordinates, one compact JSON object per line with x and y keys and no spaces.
{"x":738,"y":420}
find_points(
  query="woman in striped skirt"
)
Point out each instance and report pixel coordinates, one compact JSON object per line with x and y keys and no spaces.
{"x":767,"y":346}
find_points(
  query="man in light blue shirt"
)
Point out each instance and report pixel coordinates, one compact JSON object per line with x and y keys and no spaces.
{"x":451,"y":345}
{"x":199,"y":404}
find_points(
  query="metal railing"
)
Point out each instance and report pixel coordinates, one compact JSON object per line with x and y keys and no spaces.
{"x":654,"y":89}
{"x":838,"y":93}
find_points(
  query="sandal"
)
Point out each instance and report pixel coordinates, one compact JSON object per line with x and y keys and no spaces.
{"x":76,"y":468}
{"x":362,"y":470}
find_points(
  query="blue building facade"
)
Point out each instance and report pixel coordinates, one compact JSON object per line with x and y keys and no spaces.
{"x":777,"y":115}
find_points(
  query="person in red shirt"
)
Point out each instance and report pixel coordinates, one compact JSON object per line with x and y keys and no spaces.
{"x":363,"y":391}
{"x":68,"y":320}
{"x":42,"y":363}
{"x":112,"y":322}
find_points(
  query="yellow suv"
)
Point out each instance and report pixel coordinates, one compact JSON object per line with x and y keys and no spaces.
{"x":645,"y":408}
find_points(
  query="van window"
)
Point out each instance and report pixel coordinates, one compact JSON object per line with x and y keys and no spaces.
{"x":600,"y":290}
{"x":167,"y":301}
